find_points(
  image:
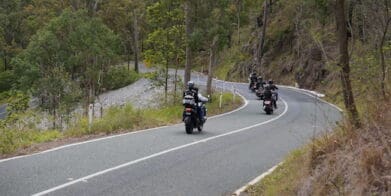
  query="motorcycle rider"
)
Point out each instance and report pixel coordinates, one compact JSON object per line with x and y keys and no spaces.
{"x":193,"y":91}
{"x":260,"y":82}
{"x":252,"y":79}
{"x":273,"y":90}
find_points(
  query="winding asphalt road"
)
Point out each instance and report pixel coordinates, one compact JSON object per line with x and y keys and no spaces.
{"x":232,"y":150}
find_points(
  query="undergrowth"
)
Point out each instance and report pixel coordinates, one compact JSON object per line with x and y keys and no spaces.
{"x":22,"y":134}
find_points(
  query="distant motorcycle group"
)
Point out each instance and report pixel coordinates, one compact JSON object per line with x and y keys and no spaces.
{"x":195,"y":111}
{"x":264,"y":91}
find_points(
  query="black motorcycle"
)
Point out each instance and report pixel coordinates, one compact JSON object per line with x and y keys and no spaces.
{"x":259,"y":93}
{"x":253,"y":87}
{"x":268,"y":106}
{"x":191,"y":118}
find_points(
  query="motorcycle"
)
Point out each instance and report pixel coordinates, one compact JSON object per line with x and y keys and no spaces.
{"x":253,"y":87}
{"x":268,"y":106}
{"x":191,"y":118}
{"x":259,"y":93}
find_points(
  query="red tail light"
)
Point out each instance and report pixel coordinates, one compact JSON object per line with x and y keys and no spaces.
{"x":188,"y":109}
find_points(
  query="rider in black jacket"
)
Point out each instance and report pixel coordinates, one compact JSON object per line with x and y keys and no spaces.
{"x":193,"y":91}
{"x":273,"y":90}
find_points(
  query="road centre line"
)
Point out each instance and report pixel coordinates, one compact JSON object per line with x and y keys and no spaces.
{"x":119,"y":135}
{"x":159,"y":154}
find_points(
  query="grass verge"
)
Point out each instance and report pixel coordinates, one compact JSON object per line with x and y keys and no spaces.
{"x":284,"y":179}
{"x":116,"y":120}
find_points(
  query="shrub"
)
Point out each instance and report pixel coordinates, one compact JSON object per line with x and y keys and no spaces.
{"x":13,"y":139}
{"x":119,"y":77}
{"x":7,"y":78}
{"x":19,"y":131}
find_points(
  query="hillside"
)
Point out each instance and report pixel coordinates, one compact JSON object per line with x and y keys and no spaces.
{"x":301,"y":47}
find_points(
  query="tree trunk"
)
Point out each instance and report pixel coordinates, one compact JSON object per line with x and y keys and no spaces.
{"x":54,"y":110}
{"x":5,"y":61}
{"x":175,"y":80}
{"x":262,"y":36}
{"x":382,"y":58}
{"x":212,"y":60}
{"x":239,"y":6}
{"x":344,"y":63}
{"x":210,"y":73}
{"x":127,"y":55}
{"x":166,"y":82}
{"x":188,"y":49}
{"x":135,"y":38}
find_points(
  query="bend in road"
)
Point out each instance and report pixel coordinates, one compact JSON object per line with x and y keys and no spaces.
{"x":213,"y":162}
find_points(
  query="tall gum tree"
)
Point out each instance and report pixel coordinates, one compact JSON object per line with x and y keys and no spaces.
{"x":343,"y":63}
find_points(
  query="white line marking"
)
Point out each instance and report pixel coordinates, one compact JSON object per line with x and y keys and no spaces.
{"x":120,"y":135}
{"x":82,"y":179}
{"x":312,"y":94}
{"x":255,"y":180}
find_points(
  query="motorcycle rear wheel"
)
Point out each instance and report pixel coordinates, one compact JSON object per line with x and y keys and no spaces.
{"x":188,"y":125}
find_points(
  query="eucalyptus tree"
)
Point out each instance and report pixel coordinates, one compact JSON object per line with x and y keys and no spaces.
{"x":166,"y":42}
{"x":343,"y":62}
{"x":126,"y":18}
{"x":212,"y":31}
{"x":72,"y":51}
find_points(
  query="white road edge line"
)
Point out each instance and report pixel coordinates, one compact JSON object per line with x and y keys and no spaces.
{"x":312,"y":94}
{"x":255,"y":180}
{"x":159,"y":154}
{"x":119,"y":135}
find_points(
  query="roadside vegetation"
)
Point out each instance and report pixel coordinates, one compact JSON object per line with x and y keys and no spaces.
{"x":303,"y":46}
{"x":347,"y":161}
{"x":64,"y":54}
{"x":19,"y":134}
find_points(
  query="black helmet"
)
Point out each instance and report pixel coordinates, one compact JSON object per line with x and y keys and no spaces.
{"x":270,"y":81}
{"x":190,"y":84}
{"x":254,"y":73}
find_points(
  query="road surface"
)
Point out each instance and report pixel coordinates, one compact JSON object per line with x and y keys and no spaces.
{"x":232,"y":150}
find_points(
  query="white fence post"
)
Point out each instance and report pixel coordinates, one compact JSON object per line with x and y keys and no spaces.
{"x":234,"y":93}
{"x":221,"y":99}
{"x":90,"y":108}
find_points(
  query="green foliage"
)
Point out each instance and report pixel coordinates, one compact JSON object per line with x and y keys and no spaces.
{"x":65,"y":58}
{"x":157,"y":77}
{"x":215,"y":18}
{"x":166,"y":42}
{"x":17,"y":103}
{"x":19,"y":129}
{"x":7,"y":79}
{"x":119,"y":77}
{"x":12,"y":139}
